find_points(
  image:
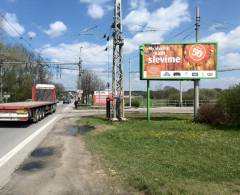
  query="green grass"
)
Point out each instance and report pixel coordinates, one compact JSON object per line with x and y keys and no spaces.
{"x":170,"y":155}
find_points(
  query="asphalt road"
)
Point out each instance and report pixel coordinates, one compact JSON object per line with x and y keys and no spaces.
{"x":13,"y":133}
{"x":18,"y":139}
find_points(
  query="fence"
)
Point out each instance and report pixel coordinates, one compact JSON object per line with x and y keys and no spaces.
{"x":169,"y":103}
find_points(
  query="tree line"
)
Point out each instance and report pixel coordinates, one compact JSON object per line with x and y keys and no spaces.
{"x":20,"y":69}
{"x":89,"y":82}
{"x":171,"y":93}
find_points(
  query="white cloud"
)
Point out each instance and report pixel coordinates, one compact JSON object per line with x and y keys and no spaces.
{"x":135,"y":20}
{"x":56,"y":29}
{"x":231,"y":59}
{"x":227,"y":40}
{"x":11,"y":25}
{"x":93,"y":55}
{"x":95,"y":11}
{"x":134,"y":4}
{"x":31,"y":34}
{"x":97,"y":8}
{"x":163,"y":20}
{"x":229,"y":47}
{"x":217,"y":26}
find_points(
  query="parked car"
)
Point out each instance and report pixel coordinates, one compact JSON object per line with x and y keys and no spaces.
{"x":66,"y":101}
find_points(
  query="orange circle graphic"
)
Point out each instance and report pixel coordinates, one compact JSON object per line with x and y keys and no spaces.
{"x":197,"y":53}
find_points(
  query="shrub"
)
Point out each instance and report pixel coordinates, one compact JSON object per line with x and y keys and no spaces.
{"x":135,"y":103}
{"x":230,"y":104}
{"x":212,"y":114}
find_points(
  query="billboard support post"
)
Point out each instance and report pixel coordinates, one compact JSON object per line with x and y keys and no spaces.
{"x":148,"y":101}
{"x":196,"y":82}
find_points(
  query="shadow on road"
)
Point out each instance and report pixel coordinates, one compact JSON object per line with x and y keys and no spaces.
{"x":14,"y":124}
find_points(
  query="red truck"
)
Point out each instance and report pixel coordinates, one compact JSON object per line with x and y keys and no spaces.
{"x":43,"y":102}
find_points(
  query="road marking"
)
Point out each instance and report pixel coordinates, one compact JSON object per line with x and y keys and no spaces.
{"x":20,"y":146}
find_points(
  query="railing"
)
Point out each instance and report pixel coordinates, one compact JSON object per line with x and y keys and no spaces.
{"x":174,"y":103}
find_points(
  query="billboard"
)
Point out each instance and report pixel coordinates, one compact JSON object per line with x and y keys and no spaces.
{"x":186,"y":61}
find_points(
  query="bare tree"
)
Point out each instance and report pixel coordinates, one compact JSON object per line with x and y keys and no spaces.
{"x":89,"y":82}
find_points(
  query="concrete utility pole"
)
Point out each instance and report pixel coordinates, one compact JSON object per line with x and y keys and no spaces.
{"x":117,"y":74}
{"x":130,"y":90}
{"x":1,"y":81}
{"x":196,"y":82}
{"x":80,"y":63}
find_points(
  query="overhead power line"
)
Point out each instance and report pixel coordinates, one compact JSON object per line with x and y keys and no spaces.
{"x":16,"y":31}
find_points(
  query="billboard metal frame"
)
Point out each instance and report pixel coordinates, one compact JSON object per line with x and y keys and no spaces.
{"x":141,"y":60}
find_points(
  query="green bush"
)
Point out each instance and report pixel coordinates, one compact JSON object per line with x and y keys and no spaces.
{"x":212,"y":114}
{"x":230,"y":104}
{"x":227,"y":109}
{"x":135,"y":103}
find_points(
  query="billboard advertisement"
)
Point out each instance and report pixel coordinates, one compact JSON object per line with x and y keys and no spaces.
{"x":186,"y":61}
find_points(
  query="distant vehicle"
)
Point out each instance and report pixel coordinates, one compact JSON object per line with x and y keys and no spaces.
{"x":66,"y":100}
{"x":43,"y":102}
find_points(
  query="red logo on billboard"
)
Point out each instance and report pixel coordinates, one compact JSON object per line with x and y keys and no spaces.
{"x":197,"y":53}
{"x":153,"y":71}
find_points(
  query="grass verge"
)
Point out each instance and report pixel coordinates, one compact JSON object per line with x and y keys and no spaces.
{"x":170,"y":155}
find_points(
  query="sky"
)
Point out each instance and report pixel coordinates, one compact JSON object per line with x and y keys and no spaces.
{"x":57,"y":29}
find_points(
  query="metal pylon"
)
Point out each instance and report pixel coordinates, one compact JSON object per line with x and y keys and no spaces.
{"x":117,"y":74}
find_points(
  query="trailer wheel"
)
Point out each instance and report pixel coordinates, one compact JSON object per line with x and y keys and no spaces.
{"x":38,"y":113}
{"x":35,"y":116}
{"x":43,"y":113}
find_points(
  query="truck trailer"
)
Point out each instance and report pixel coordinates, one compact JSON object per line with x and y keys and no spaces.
{"x":43,"y":102}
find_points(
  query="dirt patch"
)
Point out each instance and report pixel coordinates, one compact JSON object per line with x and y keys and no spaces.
{"x":101,"y":128}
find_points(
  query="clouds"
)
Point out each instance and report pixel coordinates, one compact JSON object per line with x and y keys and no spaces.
{"x":56,"y":29}
{"x":31,"y":34}
{"x":134,"y":4}
{"x":227,"y":40}
{"x":162,"y":21}
{"x":96,"y":8}
{"x":95,"y":11}
{"x":92,"y":54}
{"x":229,"y":44}
{"x":11,"y":25}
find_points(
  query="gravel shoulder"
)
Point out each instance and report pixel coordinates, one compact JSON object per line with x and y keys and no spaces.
{"x":61,"y":165}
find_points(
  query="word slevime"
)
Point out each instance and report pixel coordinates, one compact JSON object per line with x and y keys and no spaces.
{"x":165,"y":59}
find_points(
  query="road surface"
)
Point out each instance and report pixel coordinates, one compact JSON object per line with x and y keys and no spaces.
{"x":17,"y":139}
